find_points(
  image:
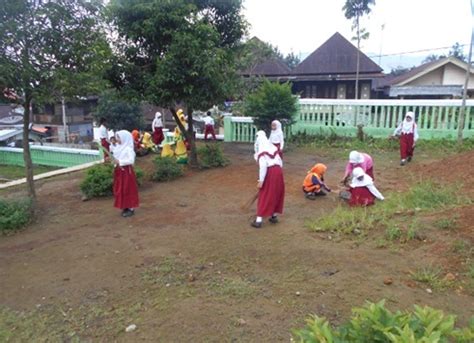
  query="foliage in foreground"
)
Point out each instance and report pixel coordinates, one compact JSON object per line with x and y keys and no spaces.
{"x":99,"y":180}
{"x":167,"y":169}
{"x":211,"y":156}
{"x":375,"y":323}
{"x":14,"y":214}
{"x":424,"y":196}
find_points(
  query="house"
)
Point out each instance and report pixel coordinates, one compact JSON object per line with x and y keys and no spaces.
{"x":440,"y":79}
{"x":328,"y":72}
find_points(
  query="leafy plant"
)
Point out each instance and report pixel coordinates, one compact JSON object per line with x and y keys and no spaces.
{"x":446,"y":223}
{"x":270,"y":101}
{"x":375,"y":323}
{"x":393,"y":233}
{"x":99,"y":180}
{"x":211,"y":156}
{"x":14,"y":214}
{"x":167,"y":169}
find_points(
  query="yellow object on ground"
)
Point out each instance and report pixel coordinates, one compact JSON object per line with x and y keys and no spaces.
{"x":167,"y":151}
{"x":147,"y":141}
{"x":181,"y":154}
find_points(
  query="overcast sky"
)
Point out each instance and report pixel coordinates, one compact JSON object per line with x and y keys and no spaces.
{"x":300,"y":26}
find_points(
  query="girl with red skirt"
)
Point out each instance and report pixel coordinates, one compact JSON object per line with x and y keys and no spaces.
{"x":104,"y":138}
{"x":271,"y":186}
{"x":125,"y":182}
{"x":157,"y":129}
{"x":407,"y":130}
{"x":362,"y":189}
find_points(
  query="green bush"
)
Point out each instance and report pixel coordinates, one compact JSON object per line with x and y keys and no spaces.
{"x":99,"y":180}
{"x":375,"y":323}
{"x":211,"y":156}
{"x":270,"y":101}
{"x":167,"y":169}
{"x":14,"y":214}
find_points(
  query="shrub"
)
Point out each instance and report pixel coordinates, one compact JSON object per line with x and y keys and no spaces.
{"x":14,"y":214}
{"x":270,"y":101}
{"x":211,"y":156}
{"x":375,"y":323}
{"x":167,"y":169}
{"x":99,"y":180}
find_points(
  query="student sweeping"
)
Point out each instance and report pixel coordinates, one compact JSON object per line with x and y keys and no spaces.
{"x":125,"y":182}
{"x":407,"y":130}
{"x":157,"y":129}
{"x":361,"y":160}
{"x":271,"y":186}
{"x":313,"y":184}
{"x":276,"y":136}
{"x":362,"y":189}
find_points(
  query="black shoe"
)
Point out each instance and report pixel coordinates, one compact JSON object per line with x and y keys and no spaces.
{"x":403,"y":162}
{"x":310,"y":196}
{"x":128,"y":213}
{"x":409,"y":158}
{"x":273,"y":219}
{"x":256,"y":224}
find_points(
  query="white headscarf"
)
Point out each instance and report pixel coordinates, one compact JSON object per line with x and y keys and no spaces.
{"x":366,"y":180}
{"x":276,"y":136}
{"x":263,"y":147}
{"x":356,"y":157}
{"x":407,"y":126}
{"x":157,"y":122}
{"x":122,"y":150}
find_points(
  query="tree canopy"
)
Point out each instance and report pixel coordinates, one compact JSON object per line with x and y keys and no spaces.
{"x":49,"y":50}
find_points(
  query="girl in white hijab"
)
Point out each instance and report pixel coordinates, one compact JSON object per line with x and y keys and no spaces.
{"x":125,"y":182}
{"x":407,"y":130}
{"x":362,"y":189}
{"x":276,"y":136}
{"x":157,"y":129}
{"x":271,"y":185}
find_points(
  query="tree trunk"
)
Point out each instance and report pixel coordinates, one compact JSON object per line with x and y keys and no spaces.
{"x":189,"y":134}
{"x":26,"y":151}
{"x":358,"y":60}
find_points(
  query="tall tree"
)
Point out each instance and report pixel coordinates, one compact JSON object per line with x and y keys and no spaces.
{"x":457,"y":51}
{"x":48,"y":50}
{"x":354,"y":10}
{"x":291,"y":60}
{"x":177,"y":51}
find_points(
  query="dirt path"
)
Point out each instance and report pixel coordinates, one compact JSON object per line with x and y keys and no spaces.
{"x":188,"y":266}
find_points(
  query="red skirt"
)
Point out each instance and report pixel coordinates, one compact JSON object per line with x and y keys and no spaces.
{"x":209,"y":130}
{"x":158,"y":135}
{"x":406,"y":145}
{"x":277,"y":145}
{"x":125,"y":188}
{"x":106,"y":146}
{"x":361,"y":196}
{"x":272,"y":194}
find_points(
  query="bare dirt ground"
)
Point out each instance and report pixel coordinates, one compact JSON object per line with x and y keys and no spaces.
{"x":188,"y":267}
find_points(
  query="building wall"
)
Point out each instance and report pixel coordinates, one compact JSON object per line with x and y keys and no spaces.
{"x":453,"y":75}
{"x":433,"y":78}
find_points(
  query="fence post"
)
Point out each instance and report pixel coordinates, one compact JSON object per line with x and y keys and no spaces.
{"x":228,"y":129}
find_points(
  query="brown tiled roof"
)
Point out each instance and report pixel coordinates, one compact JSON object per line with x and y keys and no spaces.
{"x":336,"y":56}
{"x":271,"y":67}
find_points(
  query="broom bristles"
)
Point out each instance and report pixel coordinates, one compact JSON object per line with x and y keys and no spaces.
{"x":248,"y":203}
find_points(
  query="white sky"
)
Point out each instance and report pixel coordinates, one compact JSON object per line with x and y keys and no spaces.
{"x":300,"y":26}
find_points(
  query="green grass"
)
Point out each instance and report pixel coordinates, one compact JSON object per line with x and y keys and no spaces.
{"x":393,"y":233}
{"x":16,"y":172}
{"x":446,"y":223}
{"x":425,"y":196}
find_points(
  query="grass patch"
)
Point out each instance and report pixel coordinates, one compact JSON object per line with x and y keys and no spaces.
{"x":18,"y":172}
{"x":211,"y":156}
{"x":432,"y":276}
{"x":424,"y":196}
{"x":446,"y":223}
{"x":14,"y":215}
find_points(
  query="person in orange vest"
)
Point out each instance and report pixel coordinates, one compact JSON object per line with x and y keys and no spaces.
{"x":313,"y":184}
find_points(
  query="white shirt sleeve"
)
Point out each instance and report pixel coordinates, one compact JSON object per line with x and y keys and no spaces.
{"x":398,"y":130}
{"x":128,"y":158}
{"x":282,"y":141}
{"x":415,"y":133}
{"x":262,"y":169}
{"x":375,"y":192}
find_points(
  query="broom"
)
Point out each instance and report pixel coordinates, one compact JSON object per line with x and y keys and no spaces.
{"x":246,"y":206}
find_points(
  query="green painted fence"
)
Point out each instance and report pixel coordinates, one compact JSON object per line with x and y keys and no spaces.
{"x":435,"y":118}
{"x":49,"y":156}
